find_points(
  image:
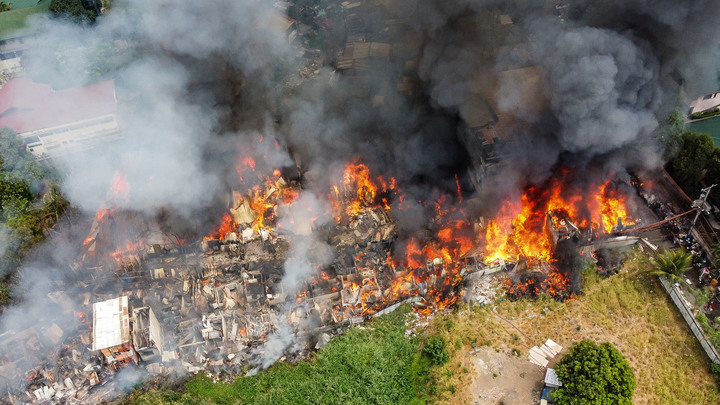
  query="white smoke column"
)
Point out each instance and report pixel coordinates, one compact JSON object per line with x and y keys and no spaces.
{"x":280,"y":342}
{"x":298,"y":221}
{"x":168,"y":59}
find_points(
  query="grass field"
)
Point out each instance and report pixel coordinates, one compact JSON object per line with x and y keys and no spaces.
{"x":629,"y":310}
{"x":15,"y":19}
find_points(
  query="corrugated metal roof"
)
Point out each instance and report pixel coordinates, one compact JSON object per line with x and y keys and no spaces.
{"x":551,"y":378}
{"x":28,"y":106}
{"x":111,"y":323}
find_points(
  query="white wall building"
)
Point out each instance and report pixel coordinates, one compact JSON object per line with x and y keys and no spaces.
{"x":54,"y":123}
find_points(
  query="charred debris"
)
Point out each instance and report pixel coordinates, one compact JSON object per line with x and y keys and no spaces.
{"x":214,"y":304}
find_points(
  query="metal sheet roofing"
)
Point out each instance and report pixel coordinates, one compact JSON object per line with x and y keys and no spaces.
{"x":111,"y":323}
{"x":28,"y":106}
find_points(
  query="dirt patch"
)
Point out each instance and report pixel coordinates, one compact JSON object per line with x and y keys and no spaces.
{"x":501,"y":377}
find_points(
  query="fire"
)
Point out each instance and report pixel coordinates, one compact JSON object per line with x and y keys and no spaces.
{"x":520,"y":229}
{"x":120,"y":186}
{"x":358,"y":191}
{"x":260,"y":204}
{"x":609,"y":205}
{"x":243,"y":165}
{"x":414,"y":255}
{"x":227,"y":226}
{"x":101,"y":214}
{"x":359,"y":176}
{"x":130,"y":248}
{"x":553,"y":282}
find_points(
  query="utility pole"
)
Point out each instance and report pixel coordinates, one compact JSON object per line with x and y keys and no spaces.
{"x":701,"y":205}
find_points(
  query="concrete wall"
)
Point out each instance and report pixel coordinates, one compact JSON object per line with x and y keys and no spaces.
{"x":694,"y":325}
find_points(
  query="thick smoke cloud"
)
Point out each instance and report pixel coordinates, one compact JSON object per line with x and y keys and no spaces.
{"x":609,"y":73}
{"x":602,"y":86}
{"x":169,"y":59}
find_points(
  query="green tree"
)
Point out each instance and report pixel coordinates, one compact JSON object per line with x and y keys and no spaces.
{"x":671,"y":264}
{"x":5,"y":6}
{"x":593,"y":374}
{"x":692,"y":161}
{"x":72,"y":9}
{"x":30,"y":203}
{"x":670,"y":133}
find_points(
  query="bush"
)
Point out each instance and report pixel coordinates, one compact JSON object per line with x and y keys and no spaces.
{"x":705,"y":114}
{"x":436,"y":350}
{"x":593,"y":374}
{"x":715,"y":370}
{"x":702,"y":319}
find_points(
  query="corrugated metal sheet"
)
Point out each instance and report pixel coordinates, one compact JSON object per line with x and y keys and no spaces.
{"x":111,"y":323}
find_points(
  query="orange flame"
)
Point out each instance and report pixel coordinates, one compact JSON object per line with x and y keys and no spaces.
{"x":227,"y":226}
{"x":520,"y":229}
{"x":129,"y":248}
{"x":120,"y":186}
{"x":358,"y":191}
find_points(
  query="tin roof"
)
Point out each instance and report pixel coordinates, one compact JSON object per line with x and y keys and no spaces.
{"x":28,"y":106}
{"x":111,"y":323}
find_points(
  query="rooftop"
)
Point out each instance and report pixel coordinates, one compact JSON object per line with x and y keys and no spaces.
{"x":28,"y":106}
{"x":111,"y":323}
{"x":706,"y":102}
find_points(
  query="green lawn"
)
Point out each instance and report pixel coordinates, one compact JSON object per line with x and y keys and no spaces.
{"x":15,"y":19}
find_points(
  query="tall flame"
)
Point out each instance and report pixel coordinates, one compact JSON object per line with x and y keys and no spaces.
{"x":520,"y":229}
{"x":227,"y":226}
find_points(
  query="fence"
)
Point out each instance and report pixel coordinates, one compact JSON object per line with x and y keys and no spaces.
{"x":694,"y":325}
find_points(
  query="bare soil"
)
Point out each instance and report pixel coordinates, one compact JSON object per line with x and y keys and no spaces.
{"x":500,"y":377}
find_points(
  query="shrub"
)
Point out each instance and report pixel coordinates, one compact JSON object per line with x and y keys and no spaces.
{"x":436,"y":350}
{"x":702,"y":319}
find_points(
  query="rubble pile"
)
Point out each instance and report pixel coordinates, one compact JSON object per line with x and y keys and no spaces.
{"x":222,"y":305}
{"x":211,"y":306}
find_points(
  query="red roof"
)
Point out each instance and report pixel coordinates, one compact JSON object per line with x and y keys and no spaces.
{"x":28,"y":106}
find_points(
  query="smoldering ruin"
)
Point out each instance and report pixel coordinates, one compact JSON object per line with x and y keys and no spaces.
{"x":281,"y":179}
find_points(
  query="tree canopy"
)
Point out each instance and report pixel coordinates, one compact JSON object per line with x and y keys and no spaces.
{"x":72,"y":9}
{"x":30,"y":203}
{"x":697,"y":159}
{"x":593,"y":374}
